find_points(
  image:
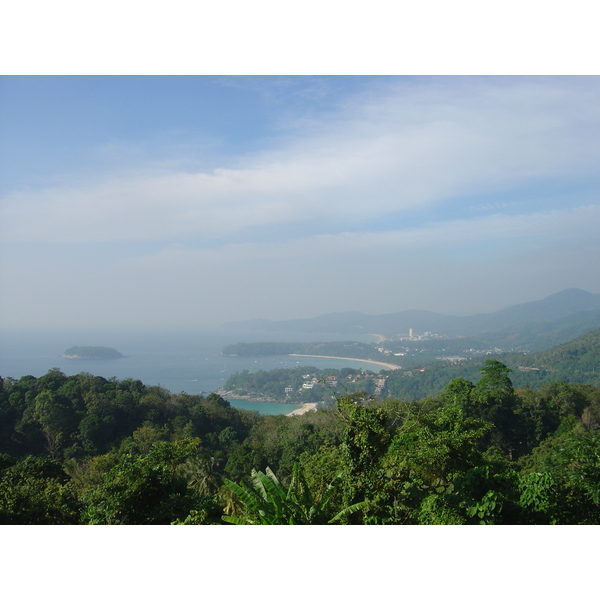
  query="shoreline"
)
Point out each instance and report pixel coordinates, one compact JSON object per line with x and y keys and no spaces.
{"x":231,"y":394}
{"x":306,"y":407}
{"x":380,"y":338}
{"x":365,"y":360}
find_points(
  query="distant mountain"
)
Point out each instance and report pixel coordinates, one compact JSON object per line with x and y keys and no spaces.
{"x":355,"y":322}
{"x":535,"y":336}
{"x":329,"y":323}
{"x":558,"y":306}
{"x":579,"y":306}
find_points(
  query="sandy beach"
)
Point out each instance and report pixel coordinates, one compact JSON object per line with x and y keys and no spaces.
{"x":307,"y":407}
{"x":365,"y":360}
{"x":380,"y":338}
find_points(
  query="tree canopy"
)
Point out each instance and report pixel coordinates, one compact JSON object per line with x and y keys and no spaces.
{"x":85,"y":449}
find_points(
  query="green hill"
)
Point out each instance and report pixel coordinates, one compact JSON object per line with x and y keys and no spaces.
{"x":577,"y":361}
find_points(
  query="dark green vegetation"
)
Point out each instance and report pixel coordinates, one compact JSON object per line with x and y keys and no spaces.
{"x":84,"y":449}
{"x":91,"y":352}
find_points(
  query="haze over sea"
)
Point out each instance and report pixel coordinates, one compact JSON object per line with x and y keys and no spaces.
{"x":179,"y":361}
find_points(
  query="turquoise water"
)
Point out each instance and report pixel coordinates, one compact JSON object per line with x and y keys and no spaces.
{"x":264,"y":408}
{"x":187,"y":362}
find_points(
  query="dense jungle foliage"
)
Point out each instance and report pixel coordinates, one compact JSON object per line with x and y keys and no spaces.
{"x":87,"y":450}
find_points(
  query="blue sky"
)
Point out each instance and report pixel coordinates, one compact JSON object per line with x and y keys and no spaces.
{"x":183,"y":201}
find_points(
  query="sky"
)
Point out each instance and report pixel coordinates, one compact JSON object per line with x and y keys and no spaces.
{"x":183,"y":201}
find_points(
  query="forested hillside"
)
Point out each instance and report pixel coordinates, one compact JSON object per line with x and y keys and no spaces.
{"x":578,"y":358}
{"x":577,"y":361}
{"x":89,"y":450}
{"x":424,"y":375}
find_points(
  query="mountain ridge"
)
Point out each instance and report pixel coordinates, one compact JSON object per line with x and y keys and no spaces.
{"x":561,"y":305}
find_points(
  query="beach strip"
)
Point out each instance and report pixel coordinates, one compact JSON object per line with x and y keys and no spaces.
{"x":306,"y":407}
{"x":365,"y":360}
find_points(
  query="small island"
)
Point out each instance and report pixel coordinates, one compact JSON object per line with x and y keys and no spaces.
{"x":91,"y":353}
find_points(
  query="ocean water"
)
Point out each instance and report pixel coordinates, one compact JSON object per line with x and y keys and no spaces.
{"x":179,"y":361}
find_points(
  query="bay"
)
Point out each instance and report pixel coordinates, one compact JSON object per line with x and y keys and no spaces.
{"x":187,"y":361}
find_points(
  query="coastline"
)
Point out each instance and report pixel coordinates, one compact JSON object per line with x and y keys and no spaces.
{"x":306,"y":407}
{"x":248,"y":398}
{"x":380,"y":338}
{"x":365,"y":360}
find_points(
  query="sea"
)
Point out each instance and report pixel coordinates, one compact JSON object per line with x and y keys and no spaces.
{"x":180,"y":361}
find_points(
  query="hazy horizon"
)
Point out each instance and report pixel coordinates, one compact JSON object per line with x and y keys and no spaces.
{"x":169,"y":203}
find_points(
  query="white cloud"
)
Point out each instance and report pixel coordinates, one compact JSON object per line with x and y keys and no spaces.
{"x":504,"y":234}
{"x":412,"y":147}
